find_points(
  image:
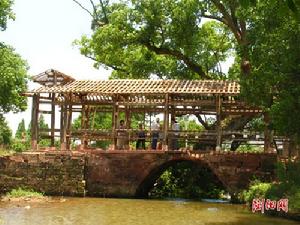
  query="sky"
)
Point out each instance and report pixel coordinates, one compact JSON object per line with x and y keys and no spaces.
{"x":42,"y":34}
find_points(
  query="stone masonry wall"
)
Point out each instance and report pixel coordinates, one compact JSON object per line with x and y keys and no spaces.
{"x":122,"y":173}
{"x":54,"y":173}
{"x":236,"y":170}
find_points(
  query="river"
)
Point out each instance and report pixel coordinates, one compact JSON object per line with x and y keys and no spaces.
{"x":100,"y":211}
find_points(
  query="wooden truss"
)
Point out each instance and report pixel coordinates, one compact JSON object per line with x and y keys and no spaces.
{"x":169,"y":97}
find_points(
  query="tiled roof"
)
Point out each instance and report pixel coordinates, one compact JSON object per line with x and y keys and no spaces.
{"x":127,"y":86}
{"x":52,"y":77}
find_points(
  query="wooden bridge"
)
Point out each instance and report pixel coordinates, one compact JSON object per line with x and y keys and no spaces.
{"x":122,"y":99}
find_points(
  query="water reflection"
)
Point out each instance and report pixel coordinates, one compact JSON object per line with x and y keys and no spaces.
{"x":90,"y":211}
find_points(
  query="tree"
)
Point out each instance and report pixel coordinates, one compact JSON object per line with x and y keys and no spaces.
{"x":171,"y":39}
{"x":13,"y":72}
{"x":13,"y":69}
{"x":5,"y":132}
{"x":274,"y":83}
{"x":21,"y":131}
{"x":160,"y":37}
{"x":5,"y":13}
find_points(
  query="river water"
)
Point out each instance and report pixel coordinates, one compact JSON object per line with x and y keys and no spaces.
{"x":99,"y":211}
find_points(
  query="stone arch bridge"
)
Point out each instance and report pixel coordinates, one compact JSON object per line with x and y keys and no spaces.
{"x":123,"y":173}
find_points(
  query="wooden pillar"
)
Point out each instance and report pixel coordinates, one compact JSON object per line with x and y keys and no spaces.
{"x":35,"y":122}
{"x":128,"y":121}
{"x":63,"y":128}
{"x":69,"y":126}
{"x":52,"y":119}
{"x":166,"y":122}
{"x":115,"y":117}
{"x":218,"y":122}
{"x":82,"y":125}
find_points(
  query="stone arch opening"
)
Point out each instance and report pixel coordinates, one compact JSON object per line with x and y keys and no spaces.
{"x":148,"y":182}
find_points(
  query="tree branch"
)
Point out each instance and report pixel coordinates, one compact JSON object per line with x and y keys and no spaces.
{"x":220,"y":19}
{"x":109,"y":65}
{"x":85,"y":9}
{"x":95,"y":10}
{"x":104,"y":12}
{"x":178,"y":55}
{"x":203,"y":123}
{"x":228,"y":20}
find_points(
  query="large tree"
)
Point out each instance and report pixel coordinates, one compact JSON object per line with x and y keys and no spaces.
{"x":162,"y":37}
{"x":5,"y":132}
{"x":274,"y":83}
{"x":174,"y":39}
{"x":13,"y":69}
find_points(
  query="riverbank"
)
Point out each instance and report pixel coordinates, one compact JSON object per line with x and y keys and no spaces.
{"x":28,"y":196}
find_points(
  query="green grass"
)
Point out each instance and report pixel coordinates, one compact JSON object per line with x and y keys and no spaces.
{"x":18,"y":193}
{"x":5,"y":152}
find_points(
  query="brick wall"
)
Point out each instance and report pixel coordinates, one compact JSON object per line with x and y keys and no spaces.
{"x":54,"y":173}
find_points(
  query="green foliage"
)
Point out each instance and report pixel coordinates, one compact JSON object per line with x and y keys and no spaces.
{"x":249,"y":148}
{"x":139,"y":39}
{"x":288,"y":186}
{"x":21,"y":131}
{"x":13,"y":69}
{"x":5,"y":152}
{"x":274,"y":81}
{"x":5,"y":132}
{"x":19,"y":146}
{"x":23,"y":192}
{"x":191,"y":125}
{"x":187,"y":180}
{"x":5,"y":12}
{"x":13,"y":72}
{"x":256,"y":190}
{"x":43,"y":125}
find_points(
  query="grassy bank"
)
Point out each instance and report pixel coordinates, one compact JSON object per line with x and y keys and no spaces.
{"x":23,"y":194}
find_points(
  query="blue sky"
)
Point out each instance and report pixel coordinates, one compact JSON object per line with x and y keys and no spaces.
{"x":42,"y":34}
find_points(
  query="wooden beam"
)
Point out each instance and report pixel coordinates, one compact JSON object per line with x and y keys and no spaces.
{"x":166,"y":122}
{"x":218,"y":123}
{"x":35,"y":122}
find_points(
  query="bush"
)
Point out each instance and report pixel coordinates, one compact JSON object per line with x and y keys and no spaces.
{"x":256,"y":190}
{"x":17,"y":193}
{"x":18,"y":146}
{"x":288,"y":186}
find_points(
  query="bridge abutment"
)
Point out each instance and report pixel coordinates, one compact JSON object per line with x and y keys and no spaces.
{"x":122,"y":173}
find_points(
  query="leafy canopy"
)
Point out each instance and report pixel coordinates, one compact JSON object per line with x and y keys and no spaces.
{"x":274,"y":83}
{"x":166,"y":38}
{"x":13,"y":69}
{"x":13,"y":73}
{"x":5,"y":12}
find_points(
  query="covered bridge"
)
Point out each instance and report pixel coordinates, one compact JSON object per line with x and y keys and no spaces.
{"x":65,"y":96}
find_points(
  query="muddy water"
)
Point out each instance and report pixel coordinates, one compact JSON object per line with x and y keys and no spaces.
{"x":98,"y":211}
